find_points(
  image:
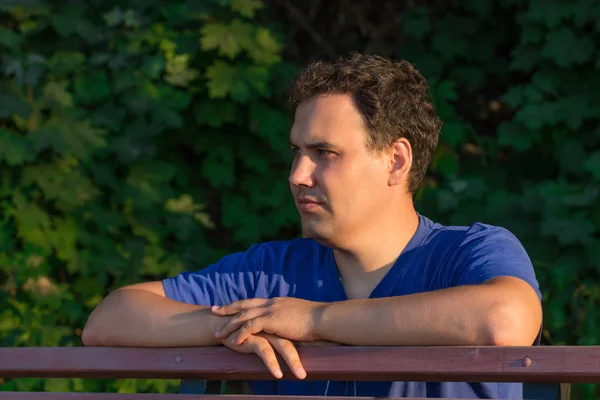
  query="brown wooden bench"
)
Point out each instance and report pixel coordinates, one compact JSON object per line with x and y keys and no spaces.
{"x":541,"y":365}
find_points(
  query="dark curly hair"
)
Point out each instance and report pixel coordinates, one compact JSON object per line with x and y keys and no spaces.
{"x":392,"y":98}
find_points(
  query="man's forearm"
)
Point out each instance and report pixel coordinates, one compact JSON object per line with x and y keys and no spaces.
{"x":468,"y":315}
{"x":140,"y":318}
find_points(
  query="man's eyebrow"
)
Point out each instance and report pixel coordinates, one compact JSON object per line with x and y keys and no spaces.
{"x":316,"y":145}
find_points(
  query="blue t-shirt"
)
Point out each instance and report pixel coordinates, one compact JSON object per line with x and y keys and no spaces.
{"x":437,"y":257}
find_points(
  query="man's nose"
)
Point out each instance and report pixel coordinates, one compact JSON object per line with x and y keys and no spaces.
{"x":302,"y":172}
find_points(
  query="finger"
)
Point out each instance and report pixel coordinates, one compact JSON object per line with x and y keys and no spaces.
{"x":237,"y":306}
{"x":265,"y":351}
{"x":289,"y":353}
{"x":251,"y":327}
{"x":235,"y":323}
{"x":246,"y":347}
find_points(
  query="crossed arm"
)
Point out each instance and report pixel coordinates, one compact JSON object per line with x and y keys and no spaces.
{"x":504,"y":311}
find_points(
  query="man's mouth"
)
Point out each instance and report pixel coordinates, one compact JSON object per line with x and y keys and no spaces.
{"x":306,"y":204}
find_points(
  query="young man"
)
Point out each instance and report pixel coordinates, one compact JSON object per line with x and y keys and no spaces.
{"x":370,"y":270}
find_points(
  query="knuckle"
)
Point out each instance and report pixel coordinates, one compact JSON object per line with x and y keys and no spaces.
{"x":263,"y":350}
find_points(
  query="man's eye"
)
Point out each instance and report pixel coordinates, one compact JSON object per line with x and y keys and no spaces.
{"x":325,"y":152}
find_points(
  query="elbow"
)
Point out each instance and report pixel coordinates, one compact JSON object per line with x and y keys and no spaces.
{"x":88,"y":338}
{"x":99,"y":322}
{"x":92,"y":334}
{"x":507,"y":326}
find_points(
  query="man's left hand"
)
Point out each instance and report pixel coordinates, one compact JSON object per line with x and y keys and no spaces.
{"x":286,"y":317}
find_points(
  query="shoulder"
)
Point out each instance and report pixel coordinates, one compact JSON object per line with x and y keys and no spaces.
{"x":488,"y":238}
{"x":477,"y":236}
{"x":482,"y":251}
{"x":471,"y":246}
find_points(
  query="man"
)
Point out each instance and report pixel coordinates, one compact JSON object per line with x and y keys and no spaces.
{"x":370,"y":269}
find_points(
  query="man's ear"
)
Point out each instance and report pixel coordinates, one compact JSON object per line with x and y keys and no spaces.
{"x":400,"y":153}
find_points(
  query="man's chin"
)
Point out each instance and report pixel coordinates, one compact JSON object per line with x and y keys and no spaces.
{"x":318,"y":235}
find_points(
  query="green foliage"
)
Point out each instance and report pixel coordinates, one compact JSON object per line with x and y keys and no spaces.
{"x":121,"y":125}
{"x":141,"y":139}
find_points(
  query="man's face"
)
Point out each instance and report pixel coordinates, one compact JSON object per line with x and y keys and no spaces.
{"x":339,"y":186}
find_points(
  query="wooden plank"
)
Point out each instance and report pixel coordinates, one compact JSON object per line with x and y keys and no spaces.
{"x":114,"y":396}
{"x":560,"y":364}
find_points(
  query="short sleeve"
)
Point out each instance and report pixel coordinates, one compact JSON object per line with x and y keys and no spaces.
{"x":488,"y":252}
{"x":231,"y":279}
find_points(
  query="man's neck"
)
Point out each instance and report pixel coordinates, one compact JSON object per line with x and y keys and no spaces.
{"x":365,"y":264}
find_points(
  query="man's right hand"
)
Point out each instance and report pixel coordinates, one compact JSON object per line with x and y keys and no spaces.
{"x":265,"y":345}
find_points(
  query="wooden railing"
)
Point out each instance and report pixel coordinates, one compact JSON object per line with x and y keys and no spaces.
{"x":545,"y":364}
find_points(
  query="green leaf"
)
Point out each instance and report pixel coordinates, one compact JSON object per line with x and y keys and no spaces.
{"x":592,"y":164}
{"x":547,"y":82}
{"x":10,"y":5}
{"x":57,"y":92}
{"x":574,"y":110}
{"x":584,"y":11}
{"x":65,"y":23}
{"x":14,"y":150}
{"x":570,"y":155}
{"x":33,"y":224}
{"x":515,"y":96}
{"x":237,"y":212}
{"x":182,"y":205}
{"x":566,"y":48}
{"x":549,"y":12}
{"x":531,"y":33}
{"x":571,"y":230}
{"x":524,"y":58}
{"x":165,"y":118}
{"x":258,"y":160}
{"x":482,"y":7}
{"x":271,"y":125}
{"x":441,"y":94}
{"x":224,"y":79}
{"x":92,"y":88}
{"x":445,"y":161}
{"x":216,"y":113}
{"x":257,"y":77}
{"x":178,"y":72}
{"x":514,"y":135}
{"x":153,"y":66}
{"x":64,"y":241}
{"x":218,"y":168}
{"x":7,"y":239}
{"x":67,"y":136}
{"x":11,"y":104}
{"x":247,"y":8}
{"x":228,"y":39}
{"x":446,"y":90}
{"x":416,"y":23}
{"x":231,"y":40}
{"x":114,"y":17}
{"x":454,"y":133}
{"x":10,"y":39}
{"x":449,"y":46}
{"x":62,"y":181}
{"x":265,"y":49}
{"x":534,"y":116}
{"x":63,"y":62}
